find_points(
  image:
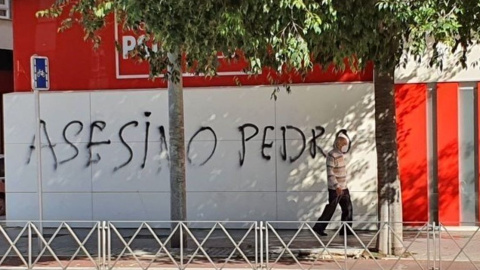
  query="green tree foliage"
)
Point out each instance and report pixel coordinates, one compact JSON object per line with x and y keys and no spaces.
{"x":282,"y":34}
{"x":288,"y":35}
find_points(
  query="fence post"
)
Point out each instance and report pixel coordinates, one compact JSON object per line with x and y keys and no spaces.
{"x":434,"y":247}
{"x":181,"y":243}
{"x":109,"y":243}
{"x":266,"y":246}
{"x":29,"y":224}
{"x":428,"y":244}
{"x":344,"y":225}
{"x":103,"y":233}
{"x":439,"y":246}
{"x":260,"y":228}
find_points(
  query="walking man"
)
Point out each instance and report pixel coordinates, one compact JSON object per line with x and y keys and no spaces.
{"x":337,"y":185}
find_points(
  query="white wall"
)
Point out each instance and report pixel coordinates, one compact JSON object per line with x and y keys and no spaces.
{"x":6,"y":35}
{"x":420,"y":72}
{"x":220,"y":189}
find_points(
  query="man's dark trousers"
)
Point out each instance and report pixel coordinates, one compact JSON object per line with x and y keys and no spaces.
{"x":333,"y":200}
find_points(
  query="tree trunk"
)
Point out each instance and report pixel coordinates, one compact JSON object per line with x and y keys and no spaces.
{"x":178,"y":205}
{"x":389,"y":189}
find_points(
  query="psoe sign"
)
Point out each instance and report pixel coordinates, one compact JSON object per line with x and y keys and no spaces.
{"x":127,"y":68}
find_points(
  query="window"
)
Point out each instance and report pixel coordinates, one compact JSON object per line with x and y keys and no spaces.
{"x":4,"y":9}
{"x":468,"y":186}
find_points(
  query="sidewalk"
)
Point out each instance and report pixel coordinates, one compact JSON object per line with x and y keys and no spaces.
{"x":303,"y":247}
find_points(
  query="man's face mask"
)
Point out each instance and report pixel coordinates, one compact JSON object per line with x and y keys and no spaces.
{"x":342,"y":145}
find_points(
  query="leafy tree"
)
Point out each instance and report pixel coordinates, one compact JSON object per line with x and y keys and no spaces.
{"x":269,"y":33}
{"x":286,"y":35}
{"x":390,"y":33}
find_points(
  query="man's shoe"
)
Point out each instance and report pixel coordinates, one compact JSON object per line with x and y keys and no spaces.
{"x":342,"y":232}
{"x":319,"y":232}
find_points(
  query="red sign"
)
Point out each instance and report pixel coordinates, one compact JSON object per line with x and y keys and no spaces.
{"x":126,"y":68}
{"x":74,"y":65}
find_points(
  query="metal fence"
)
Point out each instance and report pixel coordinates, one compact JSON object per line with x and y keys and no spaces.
{"x":232,"y":245}
{"x":341,"y":250}
{"x":458,"y":249}
{"x":182,"y":245}
{"x":52,"y":245}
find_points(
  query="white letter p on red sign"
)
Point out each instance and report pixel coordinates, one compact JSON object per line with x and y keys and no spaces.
{"x":128,"y":44}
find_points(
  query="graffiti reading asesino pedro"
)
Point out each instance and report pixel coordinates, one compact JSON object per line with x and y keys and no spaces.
{"x":247,"y":131}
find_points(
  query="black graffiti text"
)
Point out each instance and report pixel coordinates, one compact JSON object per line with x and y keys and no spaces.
{"x":248,"y":133}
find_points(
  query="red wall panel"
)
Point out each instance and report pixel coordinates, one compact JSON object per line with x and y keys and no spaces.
{"x":74,"y":65}
{"x":411,"y":112}
{"x":447,"y":146}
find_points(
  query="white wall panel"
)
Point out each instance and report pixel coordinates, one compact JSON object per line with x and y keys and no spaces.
{"x":67,"y":206}
{"x":22,"y":206}
{"x":223,"y":171}
{"x":333,"y":106}
{"x":109,"y":175}
{"x":19,"y":118}
{"x":20,"y":168}
{"x":69,"y":107}
{"x":304,"y":174}
{"x":415,"y":72}
{"x":117,"y":108}
{"x":232,"y":206}
{"x":69,"y":175}
{"x":228,"y":178}
{"x":362,"y":170}
{"x":226,"y":110}
{"x":131,"y":206}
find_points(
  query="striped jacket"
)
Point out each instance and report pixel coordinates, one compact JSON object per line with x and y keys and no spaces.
{"x":336,"y":170}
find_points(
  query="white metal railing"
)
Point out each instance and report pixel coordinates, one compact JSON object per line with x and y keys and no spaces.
{"x":464,"y":246}
{"x":208,"y":244}
{"x":58,"y":244}
{"x":307,"y":250}
{"x":11,"y":244}
{"x":232,"y":245}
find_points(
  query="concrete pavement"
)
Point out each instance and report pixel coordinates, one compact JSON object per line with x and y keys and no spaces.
{"x":130,"y":248}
